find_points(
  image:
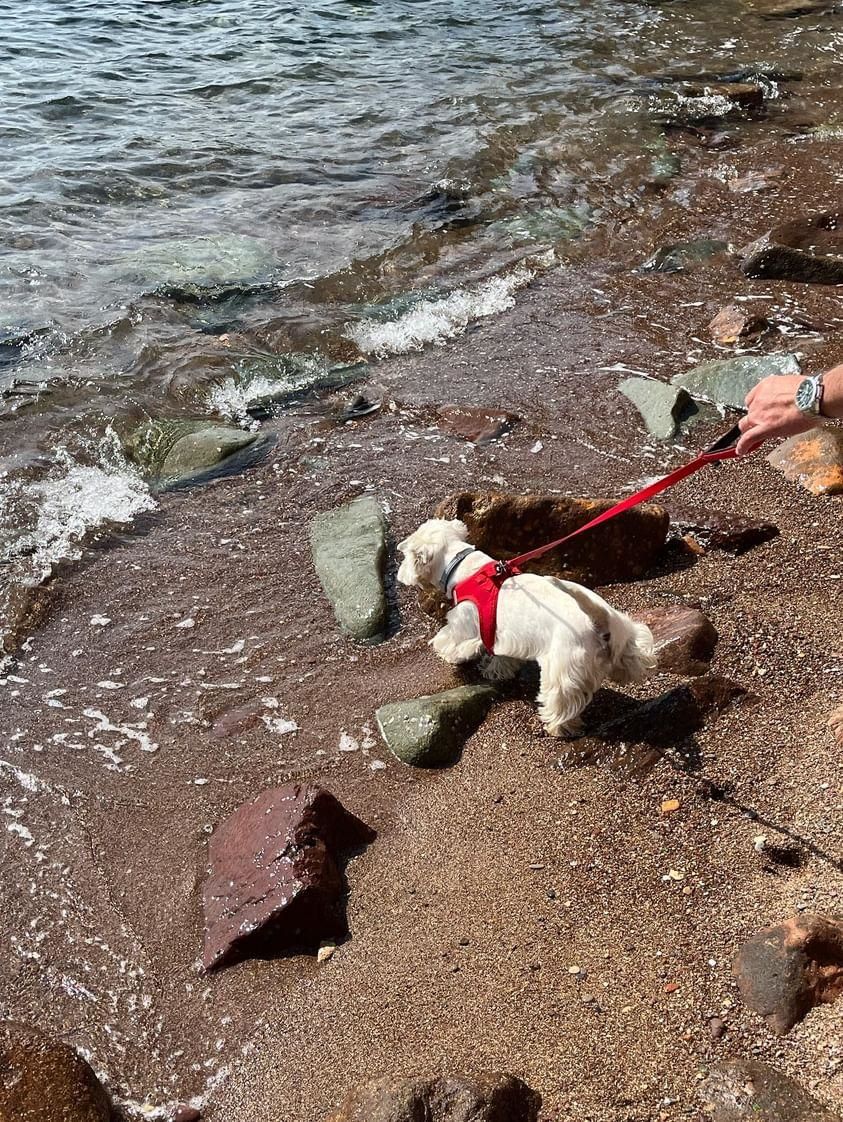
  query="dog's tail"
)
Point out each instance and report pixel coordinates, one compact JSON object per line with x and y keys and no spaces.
{"x":632,"y":649}
{"x":632,"y":654}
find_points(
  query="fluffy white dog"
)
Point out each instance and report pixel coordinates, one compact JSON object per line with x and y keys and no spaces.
{"x":577,"y":639}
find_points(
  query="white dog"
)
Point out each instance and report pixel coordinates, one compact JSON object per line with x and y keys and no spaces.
{"x":577,"y":639}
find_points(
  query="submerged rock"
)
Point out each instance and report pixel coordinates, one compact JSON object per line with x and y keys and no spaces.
{"x":623,"y":548}
{"x":787,"y":9}
{"x":685,"y":638}
{"x":171,"y":451}
{"x":195,"y":266}
{"x":813,"y":459}
{"x":349,"y":546}
{"x":734,"y":325}
{"x":479,"y":426}
{"x":728,"y":381}
{"x":446,"y":1098}
{"x":681,"y":255}
{"x":663,"y":408}
{"x":752,"y":1091}
{"x":45,"y":1080}
{"x":807,"y":250}
{"x":430,"y":731}
{"x":784,"y":971}
{"x":715,"y":529}
{"x":274,"y":883}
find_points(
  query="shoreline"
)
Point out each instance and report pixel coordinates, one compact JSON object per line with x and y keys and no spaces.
{"x":456,"y":848}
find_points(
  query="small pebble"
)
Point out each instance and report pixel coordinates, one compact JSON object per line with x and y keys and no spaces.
{"x":716,"y":1027}
{"x":326,"y":952}
{"x":574,"y":970}
{"x":670,"y":806}
{"x":671,"y":987}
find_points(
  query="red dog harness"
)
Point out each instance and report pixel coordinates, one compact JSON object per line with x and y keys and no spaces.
{"x":483,"y":587}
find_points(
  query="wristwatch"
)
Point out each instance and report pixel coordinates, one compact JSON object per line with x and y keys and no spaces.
{"x":809,"y":396}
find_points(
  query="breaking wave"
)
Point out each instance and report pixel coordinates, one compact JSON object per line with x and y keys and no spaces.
{"x":435,"y":321}
{"x":79,"y":494}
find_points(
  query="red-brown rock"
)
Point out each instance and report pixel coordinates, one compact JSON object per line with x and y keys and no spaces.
{"x":480,"y":426}
{"x":44,"y":1080}
{"x":623,"y":548}
{"x":715,"y":529}
{"x":784,"y":971}
{"x":187,"y":1114}
{"x":685,"y":638}
{"x":457,"y":1098}
{"x":814,"y":459}
{"x":275,"y":883}
{"x":733,"y":324}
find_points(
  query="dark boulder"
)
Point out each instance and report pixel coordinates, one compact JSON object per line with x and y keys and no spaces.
{"x":784,"y":971}
{"x":623,"y":548}
{"x":685,"y":638}
{"x":457,"y":1098}
{"x":715,"y":529}
{"x":751,"y":1091}
{"x":275,"y":883}
{"x":808,"y":250}
{"x":45,"y":1080}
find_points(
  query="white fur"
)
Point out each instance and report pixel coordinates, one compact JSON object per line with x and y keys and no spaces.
{"x":577,"y":639}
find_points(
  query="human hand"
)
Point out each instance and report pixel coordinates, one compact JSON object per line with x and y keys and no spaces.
{"x":772,"y":412}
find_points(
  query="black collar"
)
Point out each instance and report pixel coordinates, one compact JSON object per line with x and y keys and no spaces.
{"x":452,"y":567}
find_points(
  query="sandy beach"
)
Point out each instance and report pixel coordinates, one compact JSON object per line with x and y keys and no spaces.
{"x":155,"y":696}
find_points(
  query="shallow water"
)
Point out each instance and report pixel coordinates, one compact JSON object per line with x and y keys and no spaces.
{"x":341,"y":182}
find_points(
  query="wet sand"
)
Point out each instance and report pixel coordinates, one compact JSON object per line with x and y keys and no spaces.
{"x":489,"y":880}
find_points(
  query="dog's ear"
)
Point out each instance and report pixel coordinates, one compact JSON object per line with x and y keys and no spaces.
{"x":460,"y":529}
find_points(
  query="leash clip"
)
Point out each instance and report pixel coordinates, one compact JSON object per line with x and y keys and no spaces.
{"x":503,"y":570}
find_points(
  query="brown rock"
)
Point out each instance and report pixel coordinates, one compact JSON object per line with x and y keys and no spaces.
{"x":813,"y":459}
{"x":716,"y":1028}
{"x":457,"y":1098}
{"x":657,"y":727}
{"x":835,"y":723}
{"x":787,"y":9}
{"x":784,"y":971}
{"x":275,"y":883}
{"x":751,"y":1091}
{"x":715,"y":529}
{"x":480,"y":426}
{"x":187,"y":1114}
{"x":502,"y":525}
{"x":733,"y":324}
{"x":808,"y":250}
{"x":44,"y":1080}
{"x":747,"y":94}
{"x":685,"y":638}
{"x":755,"y":181}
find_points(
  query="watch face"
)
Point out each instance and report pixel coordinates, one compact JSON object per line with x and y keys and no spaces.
{"x":805,"y":395}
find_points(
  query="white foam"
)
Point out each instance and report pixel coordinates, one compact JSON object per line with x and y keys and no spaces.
{"x":232,"y":398}
{"x":436,"y":321}
{"x":74,"y":499}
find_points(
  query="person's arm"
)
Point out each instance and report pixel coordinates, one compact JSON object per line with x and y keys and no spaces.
{"x":772,"y":410}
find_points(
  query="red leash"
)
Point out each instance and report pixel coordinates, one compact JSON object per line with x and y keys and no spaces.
{"x":722,"y":449}
{"x":483,"y":587}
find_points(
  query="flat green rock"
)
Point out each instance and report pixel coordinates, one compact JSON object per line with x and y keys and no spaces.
{"x":430,"y":731}
{"x":662,"y":407}
{"x":171,"y":451}
{"x":728,"y":381}
{"x":349,"y":545}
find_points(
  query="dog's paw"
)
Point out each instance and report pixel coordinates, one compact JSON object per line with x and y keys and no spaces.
{"x":571,"y":730}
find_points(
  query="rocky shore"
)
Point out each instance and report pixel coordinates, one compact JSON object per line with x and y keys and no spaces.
{"x":642,"y":924}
